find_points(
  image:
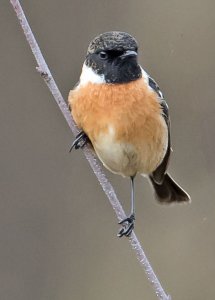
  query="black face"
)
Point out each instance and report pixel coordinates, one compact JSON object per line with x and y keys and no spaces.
{"x":114,"y":55}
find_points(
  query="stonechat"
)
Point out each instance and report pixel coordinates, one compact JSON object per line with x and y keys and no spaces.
{"x":121,"y":111}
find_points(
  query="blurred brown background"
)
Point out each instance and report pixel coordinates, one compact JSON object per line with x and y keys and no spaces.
{"x":57,"y":230}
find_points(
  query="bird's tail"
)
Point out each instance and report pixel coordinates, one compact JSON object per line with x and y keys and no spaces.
{"x":169,"y":191}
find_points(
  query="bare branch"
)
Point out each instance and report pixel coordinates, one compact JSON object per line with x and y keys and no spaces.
{"x":95,"y":165}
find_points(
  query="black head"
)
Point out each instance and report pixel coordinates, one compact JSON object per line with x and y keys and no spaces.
{"x":114,"y":55}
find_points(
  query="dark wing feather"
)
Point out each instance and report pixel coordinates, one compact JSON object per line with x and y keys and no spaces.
{"x":158,"y":174}
{"x":155,"y":87}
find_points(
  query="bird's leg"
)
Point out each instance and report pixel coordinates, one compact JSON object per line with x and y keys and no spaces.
{"x":128,"y":223}
{"x":80,"y":141}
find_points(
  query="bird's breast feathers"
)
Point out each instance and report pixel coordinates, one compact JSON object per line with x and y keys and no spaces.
{"x":124,"y":123}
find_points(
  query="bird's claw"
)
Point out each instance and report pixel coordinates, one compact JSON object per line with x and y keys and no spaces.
{"x":80,"y":141}
{"x":128,"y":226}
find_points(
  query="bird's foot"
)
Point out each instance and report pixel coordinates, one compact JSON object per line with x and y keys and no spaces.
{"x":80,"y":141}
{"x":128,"y":226}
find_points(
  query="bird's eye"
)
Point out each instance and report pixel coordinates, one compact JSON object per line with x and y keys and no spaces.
{"x":103,"y":55}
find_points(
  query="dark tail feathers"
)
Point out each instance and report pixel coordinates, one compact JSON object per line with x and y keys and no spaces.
{"x":169,"y":191}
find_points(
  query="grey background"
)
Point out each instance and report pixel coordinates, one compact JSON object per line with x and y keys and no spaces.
{"x":57,"y":230}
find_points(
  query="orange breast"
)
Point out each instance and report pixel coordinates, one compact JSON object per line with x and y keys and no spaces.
{"x":124,"y":124}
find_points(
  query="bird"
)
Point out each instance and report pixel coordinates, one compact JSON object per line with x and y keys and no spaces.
{"x":121,"y":111}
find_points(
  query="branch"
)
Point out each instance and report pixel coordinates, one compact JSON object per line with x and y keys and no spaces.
{"x":95,"y":165}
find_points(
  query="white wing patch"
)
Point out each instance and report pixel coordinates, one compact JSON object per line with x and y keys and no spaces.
{"x":146,"y":79}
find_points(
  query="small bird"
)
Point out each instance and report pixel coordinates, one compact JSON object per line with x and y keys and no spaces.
{"x":121,"y":111}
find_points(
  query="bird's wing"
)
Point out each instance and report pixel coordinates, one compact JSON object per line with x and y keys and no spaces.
{"x":158,"y":174}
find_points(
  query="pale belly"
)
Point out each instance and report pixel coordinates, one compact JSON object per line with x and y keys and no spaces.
{"x":128,"y":159}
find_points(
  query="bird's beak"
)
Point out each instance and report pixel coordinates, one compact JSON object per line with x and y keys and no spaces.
{"x":129,"y":53}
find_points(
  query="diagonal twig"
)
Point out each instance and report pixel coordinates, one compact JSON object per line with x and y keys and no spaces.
{"x":95,"y":165}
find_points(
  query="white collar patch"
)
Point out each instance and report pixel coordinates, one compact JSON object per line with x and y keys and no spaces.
{"x":89,"y":76}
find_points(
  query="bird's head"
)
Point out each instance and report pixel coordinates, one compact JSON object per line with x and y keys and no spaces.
{"x":111,"y":58}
